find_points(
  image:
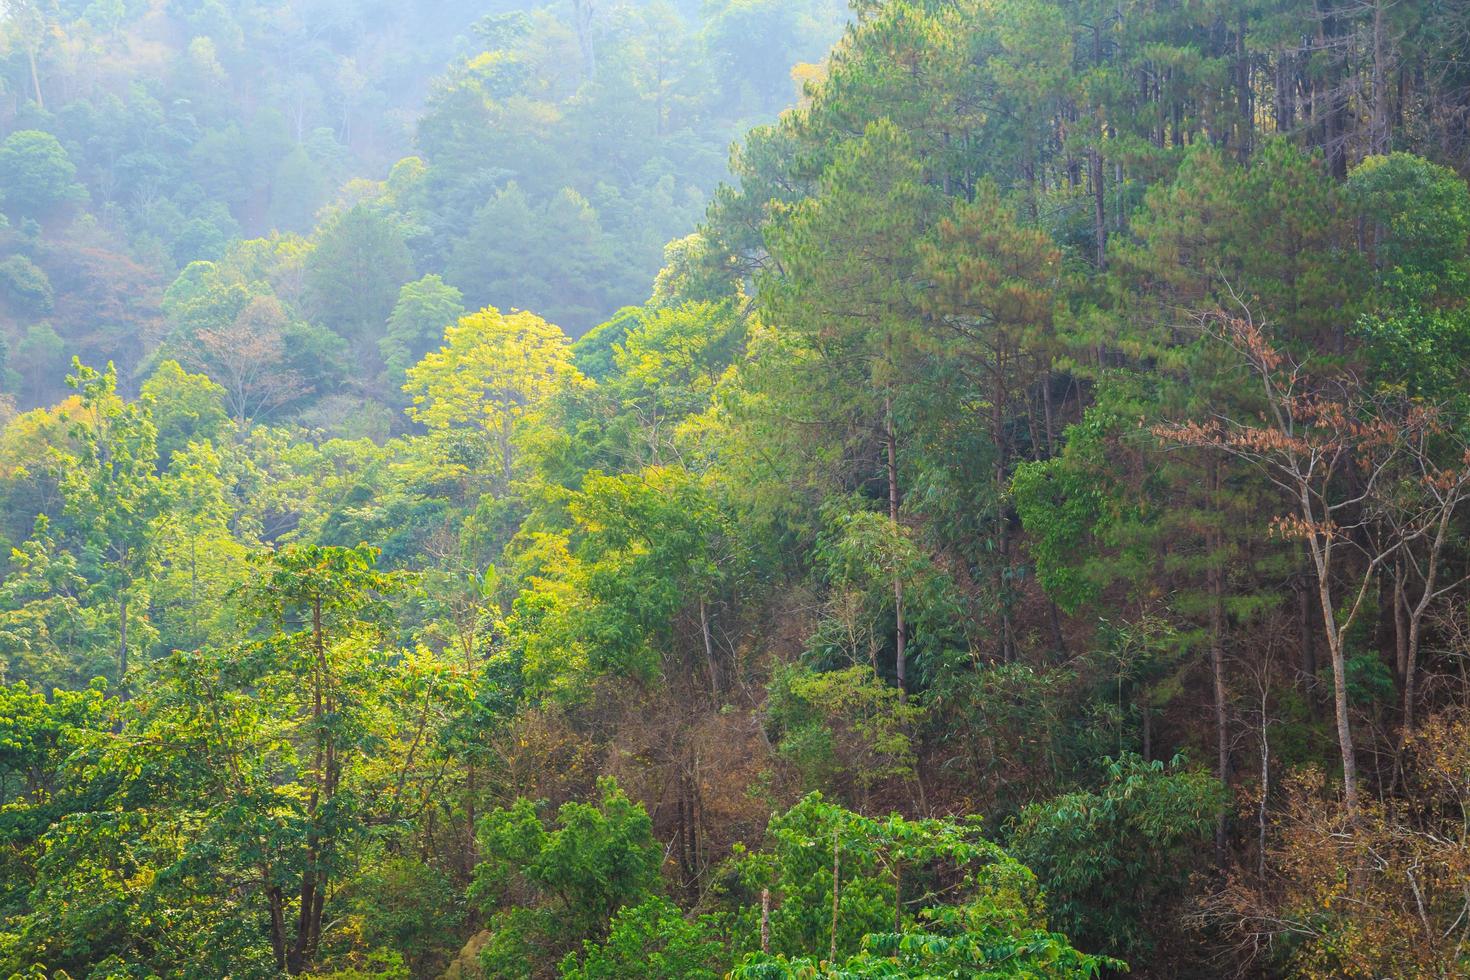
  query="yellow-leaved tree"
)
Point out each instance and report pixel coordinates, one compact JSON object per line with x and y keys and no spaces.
{"x":492,"y":372}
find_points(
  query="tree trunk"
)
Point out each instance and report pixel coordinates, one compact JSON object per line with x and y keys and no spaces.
{"x":313,"y":881}
{"x":901,"y":652}
{"x":1000,"y":474}
{"x":1217,"y":663}
{"x":122,"y":641}
{"x":472,"y":782}
{"x":1378,"y":140}
{"x":1307,"y":638}
{"x":1400,"y":624}
{"x":1099,"y":207}
{"x":1339,"y":680}
{"x":1222,"y":724}
{"x":709,"y":650}
{"x":836,"y":868}
{"x":765,"y":920}
{"x":582,"y":13}
{"x":278,"y":924}
{"x":35,"y":78}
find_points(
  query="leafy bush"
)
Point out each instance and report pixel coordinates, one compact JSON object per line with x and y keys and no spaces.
{"x":25,"y":286}
{"x":548,"y":888}
{"x":1115,"y":861}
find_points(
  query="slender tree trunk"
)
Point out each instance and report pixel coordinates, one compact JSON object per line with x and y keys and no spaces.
{"x":122,"y":640}
{"x":709,"y":649}
{"x":836,"y":869}
{"x":1307,"y":638}
{"x":1146,"y":719}
{"x":1000,"y":474}
{"x":1243,"y":93}
{"x":1261,"y":821}
{"x":1099,"y":207}
{"x":1222,"y":723}
{"x":278,"y":925}
{"x":1339,"y":673}
{"x":582,"y":13}
{"x":472,"y":788}
{"x":35,"y":78}
{"x":1378,"y":135}
{"x":1400,"y":625}
{"x":765,"y":920}
{"x":1217,"y":665}
{"x":1049,"y":413}
{"x":313,"y":881}
{"x":901,"y":639}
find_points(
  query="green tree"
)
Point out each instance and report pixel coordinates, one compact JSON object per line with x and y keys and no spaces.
{"x":37,"y":175}
{"x":551,"y":886}
{"x":847,"y":900}
{"x":114,"y":496}
{"x":354,"y":272}
{"x":185,"y":407}
{"x":26,"y":287}
{"x":651,"y":941}
{"x":1115,"y":861}
{"x":425,"y":309}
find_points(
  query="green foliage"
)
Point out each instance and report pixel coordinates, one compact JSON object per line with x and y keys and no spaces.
{"x":1417,"y":218}
{"x":891,"y":920}
{"x":939,"y":383}
{"x":550,"y":886}
{"x":843,"y":728}
{"x":25,"y":286}
{"x":1115,"y":861}
{"x":1076,"y":513}
{"x":651,"y":941}
{"x":355,"y":270}
{"x":186,"y":408}
{"x":37,"y":175}
{"x":424,"y":310}
{"x":412,"y":907}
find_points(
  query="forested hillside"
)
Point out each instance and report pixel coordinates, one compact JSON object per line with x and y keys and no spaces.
{"x":319,"y":156}
{"x":1005,"y":519}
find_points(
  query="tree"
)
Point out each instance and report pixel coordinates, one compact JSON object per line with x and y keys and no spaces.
{"x":992,"y":293}
{"x":425,"y":308}
{"x":493,"y":371}
{"x":49,"y":636}
{"x":37,"y":175}
{"x":320,"y":605}
{"x":551,"y":885}
{"x":241,"y":791}
{"x":1334,"y":451}
{"x":187,"y":408}
{"x":113,"y":494}
{"x":39,"y":358}
{"x":641,"y":549}
{"x":25,"y":286}
{"x":1102,"y":888}
{"x":843,"y":728}
{"x":841,"y":904}
{"x":668,"y":365}
{"x":847,"y":264}
{"x":354,"y":272}
{"x":498,"y":260}
{"x":650,"y":941}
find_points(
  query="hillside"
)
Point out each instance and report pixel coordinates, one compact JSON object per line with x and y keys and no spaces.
{"x":1005,"y":518}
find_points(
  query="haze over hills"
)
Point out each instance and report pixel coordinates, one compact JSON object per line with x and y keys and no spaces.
{"x":532,"y":158}
{"x":751,"y":489}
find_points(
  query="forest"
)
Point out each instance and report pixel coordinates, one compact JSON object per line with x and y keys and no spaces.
{"x":753,"y":489}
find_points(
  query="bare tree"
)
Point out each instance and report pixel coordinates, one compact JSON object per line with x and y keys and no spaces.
{"x":248,"y":357}
{"x":1340,"y":453}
